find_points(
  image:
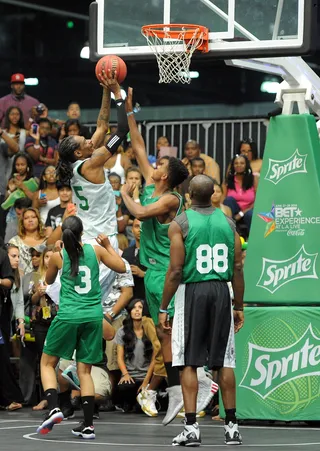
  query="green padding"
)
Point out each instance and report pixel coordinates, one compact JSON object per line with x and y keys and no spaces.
{"x":278,"y":364}
{"x":282,"y":265}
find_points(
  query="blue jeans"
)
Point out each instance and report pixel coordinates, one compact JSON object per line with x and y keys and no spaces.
{"x":234,"y":207}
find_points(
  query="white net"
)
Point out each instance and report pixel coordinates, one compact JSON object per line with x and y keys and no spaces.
{"x":174,"y":53}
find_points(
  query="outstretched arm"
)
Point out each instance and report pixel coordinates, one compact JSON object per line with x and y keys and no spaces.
{"x":163,"y":206}
{"x":137,"y":142}
{"x":103,"y":120}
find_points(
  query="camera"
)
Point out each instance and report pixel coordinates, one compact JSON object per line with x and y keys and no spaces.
{"x":40,"y":108}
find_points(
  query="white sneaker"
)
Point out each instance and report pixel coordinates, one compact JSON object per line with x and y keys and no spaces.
{"x":190,"y":436}
{"x":207,"y":388}
{"x":147,"y":400}
{"x":71,"y":375}
{"x":175,"y":403}
{"x":231,"y":434}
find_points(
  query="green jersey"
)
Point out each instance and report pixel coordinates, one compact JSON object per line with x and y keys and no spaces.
{"x":209,"y":245}
{"x":80,"y":296}
{"x":154,"y":241}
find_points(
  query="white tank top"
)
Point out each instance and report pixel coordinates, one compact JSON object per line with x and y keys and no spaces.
{"x":96,"y":204}
{"x":45,"y":209}
{"x":118,"y":169}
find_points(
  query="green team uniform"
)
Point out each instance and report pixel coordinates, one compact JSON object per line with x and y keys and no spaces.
{"x":209,"y":247}
{"x":78,"y":324}
{"x":155,"y":254}
{"x":203,"y":330}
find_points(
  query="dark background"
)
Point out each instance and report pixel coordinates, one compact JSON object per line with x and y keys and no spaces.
{"x":39,"y":44}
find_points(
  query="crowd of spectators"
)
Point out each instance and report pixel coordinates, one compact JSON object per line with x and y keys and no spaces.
{"x":34,"y":203}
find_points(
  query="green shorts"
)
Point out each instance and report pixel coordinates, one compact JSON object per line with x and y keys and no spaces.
{"x":154,"y":285}
{"x":64,"y":338}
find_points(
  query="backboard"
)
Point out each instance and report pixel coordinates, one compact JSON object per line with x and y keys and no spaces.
{"x":238,"y":28}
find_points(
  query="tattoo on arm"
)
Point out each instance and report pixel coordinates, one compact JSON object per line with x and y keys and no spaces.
{"x":103,"y":119}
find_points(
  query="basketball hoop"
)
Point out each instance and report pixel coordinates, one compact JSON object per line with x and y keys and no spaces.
{"x":173,"y":46}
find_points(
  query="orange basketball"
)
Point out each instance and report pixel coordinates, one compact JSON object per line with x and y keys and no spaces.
{"x":114,"y":63}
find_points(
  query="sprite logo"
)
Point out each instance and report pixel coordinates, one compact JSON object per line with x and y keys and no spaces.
{"x":276,"y":273}
{"x":270,"y":368}
{"x":279,"y":169}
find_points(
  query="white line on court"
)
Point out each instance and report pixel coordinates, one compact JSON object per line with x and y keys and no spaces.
{"x":144,"y":445}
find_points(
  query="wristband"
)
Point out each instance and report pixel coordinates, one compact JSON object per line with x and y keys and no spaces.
{"x":36,"y":146}
{"x":241,"y":214}
{"x":130,"y":112}
{"x":120,"y":218}
{"x":238,"y":309}
{"x":161,"y":310}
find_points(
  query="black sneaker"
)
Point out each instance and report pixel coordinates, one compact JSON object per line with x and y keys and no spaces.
{"x":86,"y":432}
{"x":232,"y":434}
{"x":68,"y":412}
{"x":55,"y":416}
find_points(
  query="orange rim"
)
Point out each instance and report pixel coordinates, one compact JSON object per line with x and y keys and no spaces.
{"x":174,"y":30}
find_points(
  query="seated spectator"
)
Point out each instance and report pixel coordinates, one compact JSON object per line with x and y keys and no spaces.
{"x":68,"y":379}
{"x":118,"y":163}
{"x":133,"y":176}
{"x":14,"y":133}
{"x":128,"y":151}
{"x":114,"y":310}
{"x":197,"y":167}
{"x":131,"y":254}
{"x":74,"y":112}
{"x":22,"y":171}
{"x":192,"y":150}
{"x":47,"y":196}
{"x":240,"y":190}
{"x":44,"y":309}
{"x":31,"y":234}
{"x":115,"y":181}
{"x":135,"y":355}
{"x":162,"y":141}
{"x":216,"y":199}
{"x":18,"y":98}
{"x":55,"y":214}
{"x":42,"y":147}
{"x":249,"y":149}
{"x":14,"y":216}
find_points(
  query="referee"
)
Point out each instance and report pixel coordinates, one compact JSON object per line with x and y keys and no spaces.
{"x":205,"y":254}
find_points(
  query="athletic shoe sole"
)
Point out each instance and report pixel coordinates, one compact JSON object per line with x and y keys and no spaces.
{"x":84,"y":436}
{"x":233,"y":442}
{"x":48,"y":424}
{"x":175,"y":412}
{"x":190,"y":444}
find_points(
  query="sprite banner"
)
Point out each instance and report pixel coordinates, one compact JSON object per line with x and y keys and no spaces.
{"x":282,"y":264}
{"x":278,"y":364}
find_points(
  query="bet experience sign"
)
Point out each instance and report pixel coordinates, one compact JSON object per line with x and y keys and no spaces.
{"x":282,"y":264}
{"x":278,"y":364}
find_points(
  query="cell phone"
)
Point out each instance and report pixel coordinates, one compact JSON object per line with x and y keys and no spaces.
{"x":35,"y":128}
{"x":42,"y":196}
{"x":168,"y":152}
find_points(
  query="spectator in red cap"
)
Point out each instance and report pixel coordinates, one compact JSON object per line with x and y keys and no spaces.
{"x":18,"y":98}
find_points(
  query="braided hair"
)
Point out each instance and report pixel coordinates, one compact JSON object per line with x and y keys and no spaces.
{"x":66,"y":149}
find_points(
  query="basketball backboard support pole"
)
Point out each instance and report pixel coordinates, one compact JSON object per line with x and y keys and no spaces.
{"x":300,"y":83}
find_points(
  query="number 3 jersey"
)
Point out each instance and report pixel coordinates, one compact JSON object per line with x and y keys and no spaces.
{"x":209,"y":245}
{"x":80,"y":296}
{"x":96,"y":205}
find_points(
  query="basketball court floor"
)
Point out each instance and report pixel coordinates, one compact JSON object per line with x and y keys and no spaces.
{"x":119,"y":431}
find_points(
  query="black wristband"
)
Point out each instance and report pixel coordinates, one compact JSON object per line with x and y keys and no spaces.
{"x":238,"y":309}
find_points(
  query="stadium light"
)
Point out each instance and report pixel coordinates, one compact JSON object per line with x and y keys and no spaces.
{"x":85,"y":52}
{"x":270,"y":87}
{"x":191,"y":74}
{"x":31,"y":81}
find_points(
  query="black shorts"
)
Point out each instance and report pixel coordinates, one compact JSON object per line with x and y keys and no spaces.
{"x":203,"y":330}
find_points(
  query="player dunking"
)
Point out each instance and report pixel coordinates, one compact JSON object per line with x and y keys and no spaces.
{"x":160,"y":205}
{"x":78,"y":324}
{"x":82,"y":164}
{"x":205,"y":253}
